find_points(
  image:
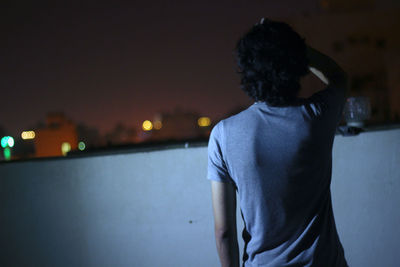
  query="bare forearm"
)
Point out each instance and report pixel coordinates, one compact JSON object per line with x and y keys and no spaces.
{"x":228,"y":251}
{"x":325,"y":67}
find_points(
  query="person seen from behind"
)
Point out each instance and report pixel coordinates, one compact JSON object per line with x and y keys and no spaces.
{"x":276,"y":155}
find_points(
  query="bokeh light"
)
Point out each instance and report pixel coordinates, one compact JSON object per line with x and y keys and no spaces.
{"x":81,"y":145}
{"x":10,"y":141}
{"x":28,"y":135}
{"x":157,"y":125}
{"x":204,"y":121}
{"x":65,"y":148}
{"x":7,"y":141}
{"x":147,"y":125}
{"x":4,"y":141}
{"x":7,"y":153}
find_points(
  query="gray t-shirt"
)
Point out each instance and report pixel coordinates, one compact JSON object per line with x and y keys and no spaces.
{"x":280,"y":161}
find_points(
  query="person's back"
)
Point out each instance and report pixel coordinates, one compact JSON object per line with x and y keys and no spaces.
{"x":279,"y":159}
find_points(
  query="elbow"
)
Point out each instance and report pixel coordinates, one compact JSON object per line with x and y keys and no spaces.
{"x":225,"y":233}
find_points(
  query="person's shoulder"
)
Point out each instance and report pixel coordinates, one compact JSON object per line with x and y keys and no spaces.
{"x":235,"y":119}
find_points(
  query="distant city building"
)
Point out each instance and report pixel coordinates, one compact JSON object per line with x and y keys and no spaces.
{"x":121,"y":134}
{"x":23,"y":149}
{"x":57,"y":137}
{"x":366,"y":43}
{"x":177,"y":125}
{"x":90,"y":136}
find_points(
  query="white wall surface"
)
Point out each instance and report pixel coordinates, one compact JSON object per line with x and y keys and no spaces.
{"x":154,"y":208}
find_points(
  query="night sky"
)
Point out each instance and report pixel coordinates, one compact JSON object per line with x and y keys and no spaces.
{"x":107,"y":65}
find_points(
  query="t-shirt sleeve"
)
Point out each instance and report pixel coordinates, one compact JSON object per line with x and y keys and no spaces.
{"x":328,"y":102}
{"x":217,"y":169}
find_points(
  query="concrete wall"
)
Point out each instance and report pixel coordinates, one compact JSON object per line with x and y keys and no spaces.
{"x":154,"y":208}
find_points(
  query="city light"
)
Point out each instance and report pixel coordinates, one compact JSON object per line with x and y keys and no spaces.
{"x":7,"y":153}
{"x":81,"y":145}
{"x":65,"y":148}
{"x":157,"y":125}
{"x":7,"y":141}
{"x":147,"y":125}
{"x":4,"y":141}
{"x":10,"y":141}
{"x":28,"y":135}
{"x":204,"y":121}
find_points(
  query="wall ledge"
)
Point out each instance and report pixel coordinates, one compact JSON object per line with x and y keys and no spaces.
{"x":186,"y":143}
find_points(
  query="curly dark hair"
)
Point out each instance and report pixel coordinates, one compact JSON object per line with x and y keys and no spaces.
{"x":271,"y":58}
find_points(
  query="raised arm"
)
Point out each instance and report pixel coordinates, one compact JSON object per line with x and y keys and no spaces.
{"x":326,"y":69}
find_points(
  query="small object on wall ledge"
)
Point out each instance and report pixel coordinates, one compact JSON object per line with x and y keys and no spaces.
{"x":356,"y":111}
{"x":349,"y":130}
